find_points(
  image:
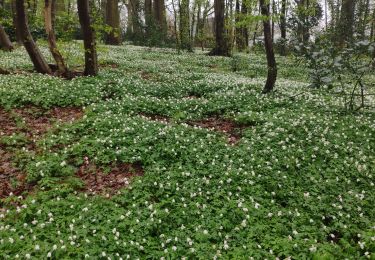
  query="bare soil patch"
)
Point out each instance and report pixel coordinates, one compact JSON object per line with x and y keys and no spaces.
{"x":33,"y":122}
{"x":231,"y":129}
{"x":97,"y":181}
{"x":108,"y":64}
{"x":156,"y":117}
{"x":39,"y":121}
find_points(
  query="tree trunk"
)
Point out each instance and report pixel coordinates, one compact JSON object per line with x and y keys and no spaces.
{"x":245,"y":31}
{"x":112,"y":19}
{"x":271,"y":62}
{"x":5,"y":43}
{"x":32,"y":49}
{"x":221,"y":41}
{"x":51,"y":37}
{"x":91,"y":58}
{"x":14,"y":17}
{"x":135,"y":21}
{"x":160,"y":18}
{"x":345,"y":26}
{"x":198,"y":21}
{"x":148,"y":17}
{"x":283,"y":27}
{"x":238,"y":28}
{"x":363,"y":15}
{"x":185,"y":26}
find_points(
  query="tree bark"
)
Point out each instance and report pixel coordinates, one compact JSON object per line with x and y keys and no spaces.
{"x":134,"y":21}
{"x":32,"y":49}
{"x":51,"y":37}
{"x":112,"y":19}
{"x":185,"y":42}
{"x":238,"y":28}
{"x":283,"y":27}
{"x":345,"y":26}
{"x":271,"y":62}
{"x":14,"y":17}
{"x":221,"y":41}
{"x":91,"y":57}
{"x":5,"y":43}
{"x":160,"y":18}
{"x":245,"y":31}
{"x":148,"y":17}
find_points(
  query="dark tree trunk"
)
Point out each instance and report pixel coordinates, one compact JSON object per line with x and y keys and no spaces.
{"x":221,"y":41}
{"x":51,"y":37}
{"x":345,"y":26}
{"x":160,"y":18}
{"x":283,"y":27}
{"x":185,"y":42}
{"x":36,"y":57}
{"x":148,"y":17}
{"x":245,"y":31}
{"x":5,"y":43}
{"x":14,"y":17}
{"x":112,"y":19}
{"x":271,"y":62}
{"x":91,"y":58}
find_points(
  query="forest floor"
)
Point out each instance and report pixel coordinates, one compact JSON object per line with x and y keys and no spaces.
{"x":167,"y":155}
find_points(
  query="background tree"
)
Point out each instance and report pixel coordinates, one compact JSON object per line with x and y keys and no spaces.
{"x":185,"y":40}
{"x":221,"y":40}
{"x":271,"y":62}
{"x":112,"y":19}
{"x":283,"y":17}
{"x":5,"y":43}
{"x":32,"y":49}
{"x":91,"y":57}
{"x":51,"y":37}
{"x":148,"y":18}
{"x":160,"y":18}
{"x":346,"y":21}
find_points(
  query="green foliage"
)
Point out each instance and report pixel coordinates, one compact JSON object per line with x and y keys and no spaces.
{"x":343,"y":70}
{"x":298,"y":184}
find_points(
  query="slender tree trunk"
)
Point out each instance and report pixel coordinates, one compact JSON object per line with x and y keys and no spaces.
{"x":112,"y":19}
{"x":5,"y":43}
{"x":91,"y":58}
{"x":48,"y":21}
{"x":221,"y":41}
{"x":201,"y":24}
{"x":129,"y":26}
{"x":177,"y":38}
{"x":148,"y":18}
{"x":363,"y":13}
{"x":326,"y":14}
{"x":193,"y":21}
{"x":238,"y":28}
{"x":245,"y":31}
{"x":32,"y":49}
{"x":273,"y":20}
{"x":136,"y":23}
{"x":271,"y":62}
{"x":196,"y":28}
{"x":283,"y":27}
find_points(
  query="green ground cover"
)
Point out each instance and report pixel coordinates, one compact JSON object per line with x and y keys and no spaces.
{"x":299,"y":182}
